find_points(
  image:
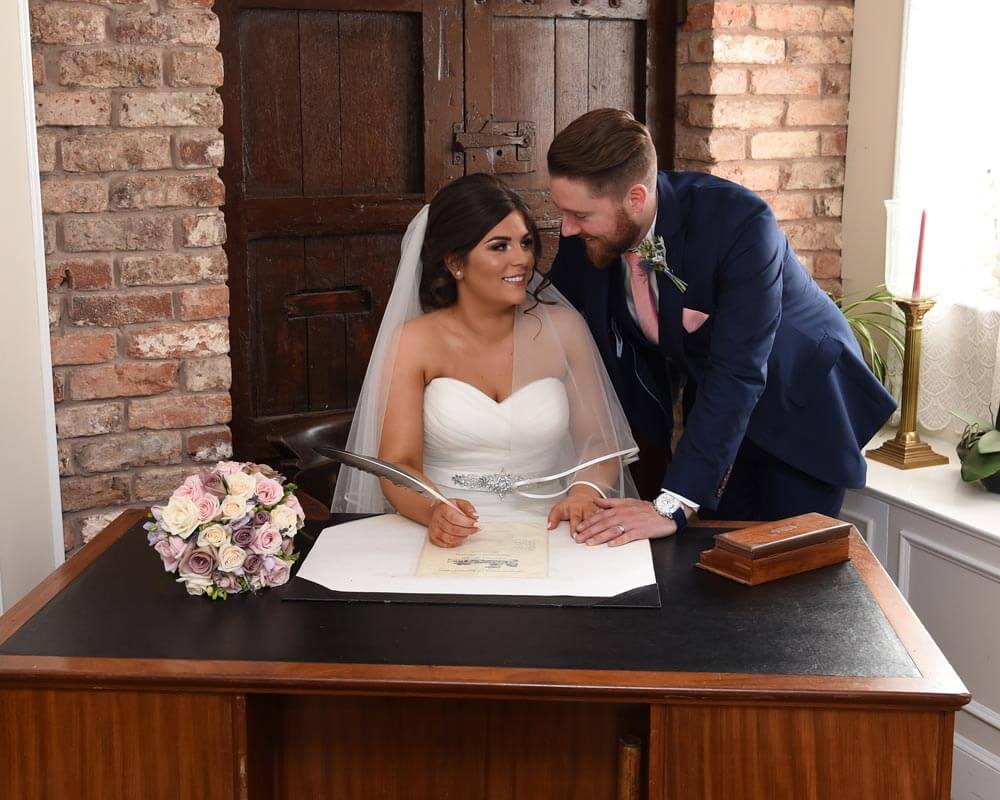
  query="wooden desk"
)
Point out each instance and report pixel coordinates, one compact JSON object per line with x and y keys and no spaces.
{"x":112,"y":686}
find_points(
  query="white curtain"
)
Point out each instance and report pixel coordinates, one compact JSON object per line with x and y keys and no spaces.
{"x":948,"y":158}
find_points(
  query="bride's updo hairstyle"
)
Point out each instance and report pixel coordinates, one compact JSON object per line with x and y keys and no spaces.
{"x":461,"y":214}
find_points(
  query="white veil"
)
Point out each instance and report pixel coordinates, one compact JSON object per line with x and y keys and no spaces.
{"x":551,"y":340}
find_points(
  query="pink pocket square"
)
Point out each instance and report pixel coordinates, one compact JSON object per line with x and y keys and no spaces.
{"x":692,"y":319}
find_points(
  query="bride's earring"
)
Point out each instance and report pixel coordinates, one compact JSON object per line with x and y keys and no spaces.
{"x":458,"y":274}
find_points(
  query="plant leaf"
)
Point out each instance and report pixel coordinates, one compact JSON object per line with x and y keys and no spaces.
{"x":977,"y":466}
{"x":968,"y":420}
{"x":990,"y":443}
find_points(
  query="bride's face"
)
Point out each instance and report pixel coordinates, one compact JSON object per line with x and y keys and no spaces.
{"x":499,"y":267}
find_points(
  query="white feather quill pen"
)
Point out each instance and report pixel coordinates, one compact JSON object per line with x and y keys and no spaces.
{"x":383,"y":469}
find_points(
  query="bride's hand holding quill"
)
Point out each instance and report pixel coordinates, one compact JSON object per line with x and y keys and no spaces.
{"x":448,"y":527}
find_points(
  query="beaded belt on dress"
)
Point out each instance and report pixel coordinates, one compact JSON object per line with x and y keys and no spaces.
{"x":500,"y":483}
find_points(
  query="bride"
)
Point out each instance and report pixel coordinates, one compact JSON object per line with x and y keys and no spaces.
{"x":484,"y":381}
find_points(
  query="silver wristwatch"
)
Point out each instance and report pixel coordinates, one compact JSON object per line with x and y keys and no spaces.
{"x":666,"y":505}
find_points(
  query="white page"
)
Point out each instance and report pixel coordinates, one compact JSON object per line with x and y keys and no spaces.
{"x":380,"y":555}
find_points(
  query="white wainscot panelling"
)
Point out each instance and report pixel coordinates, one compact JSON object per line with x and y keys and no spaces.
{"x":871,"y":517}
{"x":975,"y":773}
{"x":951,"y":578}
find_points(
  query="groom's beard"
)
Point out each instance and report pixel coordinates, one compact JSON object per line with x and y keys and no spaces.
{"x":603,"y":250}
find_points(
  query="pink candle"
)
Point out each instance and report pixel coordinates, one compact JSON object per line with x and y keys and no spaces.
{"x":920,"y":256}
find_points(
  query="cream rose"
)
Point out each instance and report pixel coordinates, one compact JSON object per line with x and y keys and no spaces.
{"x":241,"y":485}
{"x":196,"y":584}
{"x":231,"y":557}
{"x":180,"y":516}
{"x":285,"y":520}
{"x":214,"y":535}
{"x":234,"y":507}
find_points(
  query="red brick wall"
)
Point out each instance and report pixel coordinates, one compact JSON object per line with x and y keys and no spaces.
{"x":129,"y":147}
{"x":762,"y":100}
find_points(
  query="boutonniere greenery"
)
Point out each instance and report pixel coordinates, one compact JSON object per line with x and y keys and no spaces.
{"x":653,"y":253}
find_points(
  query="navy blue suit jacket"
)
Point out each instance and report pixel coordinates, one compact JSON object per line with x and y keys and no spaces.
{"x":775,"y":361}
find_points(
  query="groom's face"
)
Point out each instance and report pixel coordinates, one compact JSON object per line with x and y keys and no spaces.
{"x":604,"y":223}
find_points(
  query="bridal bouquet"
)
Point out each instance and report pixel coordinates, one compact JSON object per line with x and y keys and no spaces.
{"x":228,"y":529}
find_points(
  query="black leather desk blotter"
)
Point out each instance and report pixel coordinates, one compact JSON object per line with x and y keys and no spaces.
{"x":641,"y":597}
{"x":823,"y":622}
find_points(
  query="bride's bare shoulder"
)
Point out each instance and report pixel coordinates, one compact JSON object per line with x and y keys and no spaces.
{"x":419,"y":334}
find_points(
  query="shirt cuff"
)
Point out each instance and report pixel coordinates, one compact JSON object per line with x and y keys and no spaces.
{"x":681,"y":498}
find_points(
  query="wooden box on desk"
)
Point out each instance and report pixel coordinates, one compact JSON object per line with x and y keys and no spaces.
{"x":774,"y":550}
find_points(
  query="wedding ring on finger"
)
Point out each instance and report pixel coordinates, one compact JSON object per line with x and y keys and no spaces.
{"x":621,"y":529}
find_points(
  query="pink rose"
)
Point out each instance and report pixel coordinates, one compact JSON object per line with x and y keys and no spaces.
{"x":192,"y":488}
{"x":208,"y":507}
{"x":293,"y":503}
{"x":276,"y":572}
{"x":227,"y":468}
{"x":266,"y":541}
{"x":171,"y":550}
{"x":268,"y":490}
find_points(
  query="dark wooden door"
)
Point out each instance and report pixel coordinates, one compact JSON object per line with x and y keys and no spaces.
{"x":342,"y":117}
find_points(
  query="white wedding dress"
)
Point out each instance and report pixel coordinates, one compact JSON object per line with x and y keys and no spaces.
{"x":470,"y":438}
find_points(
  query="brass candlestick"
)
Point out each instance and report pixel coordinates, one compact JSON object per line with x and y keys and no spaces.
{"x":906,"y":451}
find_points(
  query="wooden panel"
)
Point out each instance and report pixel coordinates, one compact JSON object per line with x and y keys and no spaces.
{"x":115,"y":745}
{"x":382,"y":122}
{"x":327,"y":357}
{"x":280,"y":379}
{"x":741,"y":753}
{"x":336,"y":5}
{"x":319,"y":57}
{"x":272,"y":135}
{"x":558,"y":751}
{"x":464,"y":749}
{"x":327,"y":216}
{"x":351,"y":748}
{"x":444,"y":90}
{"x":369,"y":261}
{"x":523,"y":86}
{"x":612,"y":66}
{"x":578,"y":9}
{"x":572,"y":72}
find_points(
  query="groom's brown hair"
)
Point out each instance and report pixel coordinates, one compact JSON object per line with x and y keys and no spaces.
{"x":607,"y":147}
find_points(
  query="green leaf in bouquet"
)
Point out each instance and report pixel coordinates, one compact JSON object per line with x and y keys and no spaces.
{"x":989,"y":443}
{"x":977,"y":466}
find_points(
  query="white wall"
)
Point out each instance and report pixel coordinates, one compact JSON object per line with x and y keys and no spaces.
{"x":30,"y":511}
{"x":871,"y":139}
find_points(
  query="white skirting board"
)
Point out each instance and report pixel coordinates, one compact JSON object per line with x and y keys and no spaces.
{"x":975,"y":773}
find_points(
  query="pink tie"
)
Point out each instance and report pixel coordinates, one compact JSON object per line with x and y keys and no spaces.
{"x":642,"y":295}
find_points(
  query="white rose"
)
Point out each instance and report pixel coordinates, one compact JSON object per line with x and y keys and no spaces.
{"x":285,"y":520}
{"x":214,"y":535}
{"x":180,"y":516}
{"x":196,"y":584}
{"x":231,"y":557}
{"x":241,"y":485}
{"x":234,"y":507}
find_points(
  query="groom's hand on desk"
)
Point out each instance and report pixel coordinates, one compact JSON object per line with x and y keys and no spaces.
{"x":623,"y":520}
{"x":449,"y":528}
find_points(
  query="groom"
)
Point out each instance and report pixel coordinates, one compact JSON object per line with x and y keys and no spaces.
{"x":778,"y":401}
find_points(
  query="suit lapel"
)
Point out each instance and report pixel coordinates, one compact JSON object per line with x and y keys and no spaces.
{"x":669,"y":226}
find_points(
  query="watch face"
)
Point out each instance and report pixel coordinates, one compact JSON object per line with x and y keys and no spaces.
{"x":666,"y":505}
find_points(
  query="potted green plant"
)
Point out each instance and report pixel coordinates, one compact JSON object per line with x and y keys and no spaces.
{"x":870,"y":315}
{"x":979,"y":452}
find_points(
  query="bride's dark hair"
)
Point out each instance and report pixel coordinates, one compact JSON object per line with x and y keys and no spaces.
{"x":461,"y":214}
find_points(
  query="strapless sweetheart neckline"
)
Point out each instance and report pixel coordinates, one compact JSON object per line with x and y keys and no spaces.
{"x":483,"y":394}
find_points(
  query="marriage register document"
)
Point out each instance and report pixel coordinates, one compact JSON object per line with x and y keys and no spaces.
{"x":391,"y":554}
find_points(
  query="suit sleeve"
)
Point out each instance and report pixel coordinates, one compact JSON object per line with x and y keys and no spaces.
{"x":746,"y":316}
